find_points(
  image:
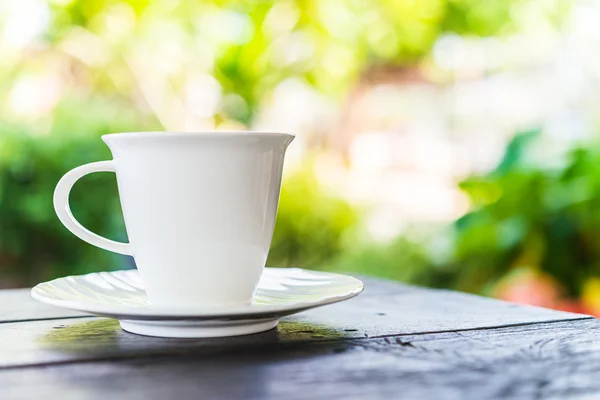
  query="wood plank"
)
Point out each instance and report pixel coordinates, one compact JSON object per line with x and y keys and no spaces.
{"x":550,"y":361}
{"x":384,"y":309}
{"x":17,"y":305}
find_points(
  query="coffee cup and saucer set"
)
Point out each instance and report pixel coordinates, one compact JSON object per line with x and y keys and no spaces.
{"x":199,"y":210}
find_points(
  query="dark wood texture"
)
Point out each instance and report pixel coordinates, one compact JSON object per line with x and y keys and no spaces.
{"x":394,"y":341}
{"x":541,"y":361}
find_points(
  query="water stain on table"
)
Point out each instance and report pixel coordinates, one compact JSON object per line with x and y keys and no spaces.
{"x":100,"y":338}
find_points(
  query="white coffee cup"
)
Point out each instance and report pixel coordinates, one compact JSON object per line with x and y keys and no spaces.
{"x":199,"y":210}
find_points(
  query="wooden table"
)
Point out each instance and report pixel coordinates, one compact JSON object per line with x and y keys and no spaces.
{"x":393,"y":341}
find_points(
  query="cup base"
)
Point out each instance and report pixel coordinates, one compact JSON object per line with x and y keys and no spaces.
{"x":198,"y":329}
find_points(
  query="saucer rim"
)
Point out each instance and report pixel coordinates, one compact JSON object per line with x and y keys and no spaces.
{"x":234,"y":313}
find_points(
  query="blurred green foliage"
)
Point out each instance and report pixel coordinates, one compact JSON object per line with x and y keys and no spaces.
{"x":530,"y":214}
{"x":312,"y":226}
{"x":116,"y":61}
{"x":33,"y":243}
{"x":402,"y":259}
{"x":252,"y":46}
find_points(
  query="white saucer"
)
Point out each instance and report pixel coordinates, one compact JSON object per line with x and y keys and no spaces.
{"x":121,"y":295}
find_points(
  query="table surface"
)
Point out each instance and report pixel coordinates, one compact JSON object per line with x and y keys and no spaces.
{"x":393,"y":341}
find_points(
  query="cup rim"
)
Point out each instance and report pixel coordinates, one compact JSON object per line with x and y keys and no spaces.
{"x":175,"y":134}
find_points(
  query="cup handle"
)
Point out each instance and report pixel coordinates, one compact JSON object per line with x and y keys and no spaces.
{"x":63,"y":211}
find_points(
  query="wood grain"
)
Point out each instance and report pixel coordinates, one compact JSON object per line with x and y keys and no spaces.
{"x":385,"y":308}
{"x":542,"y":361}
